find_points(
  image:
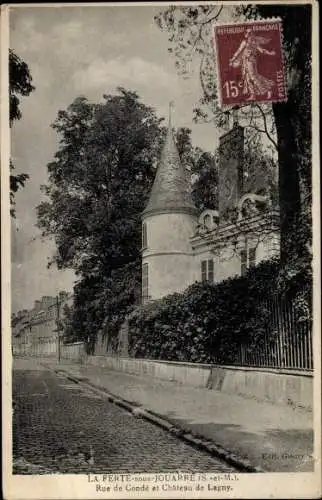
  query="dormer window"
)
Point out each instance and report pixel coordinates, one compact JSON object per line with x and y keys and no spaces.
{"x":144,"y":236}
{"x":207,"y":221}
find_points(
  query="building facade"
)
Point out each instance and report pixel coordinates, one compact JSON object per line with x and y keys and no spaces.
{"x":181,"y":246}
{"x":35,"y":331}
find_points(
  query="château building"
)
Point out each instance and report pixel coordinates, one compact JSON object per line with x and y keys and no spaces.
{"x":181,"y":246}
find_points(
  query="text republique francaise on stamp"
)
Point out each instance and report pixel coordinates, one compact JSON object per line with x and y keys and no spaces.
{"x":250,"y":62}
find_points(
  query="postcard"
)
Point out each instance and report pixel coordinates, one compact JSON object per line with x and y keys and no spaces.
{"x":160,"y":250}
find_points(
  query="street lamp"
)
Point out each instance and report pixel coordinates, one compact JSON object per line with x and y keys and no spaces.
{"x":58,"y":327}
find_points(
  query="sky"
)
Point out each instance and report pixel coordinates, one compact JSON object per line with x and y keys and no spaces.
{"x":73,"y":51}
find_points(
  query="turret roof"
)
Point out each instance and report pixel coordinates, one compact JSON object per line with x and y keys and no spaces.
{"x":171,"y":188}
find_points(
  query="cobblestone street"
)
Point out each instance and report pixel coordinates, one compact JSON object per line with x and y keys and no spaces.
{"x":62,"y":427}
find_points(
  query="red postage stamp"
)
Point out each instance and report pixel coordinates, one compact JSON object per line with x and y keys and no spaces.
{"x":250,"y":62}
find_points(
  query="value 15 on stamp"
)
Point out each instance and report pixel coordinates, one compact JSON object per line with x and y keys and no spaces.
{"x":250,"y":65}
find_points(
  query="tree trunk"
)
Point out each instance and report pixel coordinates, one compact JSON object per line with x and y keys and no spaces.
{"x":292,"y":184}
{"x":289,"y":184}
{"x":293,"y":126}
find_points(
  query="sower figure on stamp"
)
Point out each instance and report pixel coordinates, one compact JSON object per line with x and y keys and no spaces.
{"x":246,"y":58}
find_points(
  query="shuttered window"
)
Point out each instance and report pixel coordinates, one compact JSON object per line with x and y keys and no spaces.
{"x":243,"y":261}
{"x":247,"y":259}
{"x":203,"y":270}
{"x":211,"y":270}
{"x":252,"y":257}
{"x":144,"y":236}
{"x":145,"y":282}
{"x":207,"y":270}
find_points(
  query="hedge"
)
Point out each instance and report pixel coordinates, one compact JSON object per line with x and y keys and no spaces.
{"x":208,"y":322}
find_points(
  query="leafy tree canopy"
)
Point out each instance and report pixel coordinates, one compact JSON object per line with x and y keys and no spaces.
{"x":100,"y":180}
{"x":99,"y":183}
{"x":19,"y":85}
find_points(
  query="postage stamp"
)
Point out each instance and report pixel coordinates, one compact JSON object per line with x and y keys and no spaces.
{"x":250,"y":62}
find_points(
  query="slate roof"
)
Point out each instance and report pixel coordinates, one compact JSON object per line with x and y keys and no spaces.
{"x":171,"y":188}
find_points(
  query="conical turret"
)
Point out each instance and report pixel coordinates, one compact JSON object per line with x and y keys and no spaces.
{"x":168,"y":222}
{"x":171,"y":190}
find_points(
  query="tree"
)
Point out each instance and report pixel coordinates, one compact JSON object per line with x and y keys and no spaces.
{"x":205,"y":185}
{"x":189,"y":35}
{"x":99,"y":183}
{"x":202,"y":169}
{"x":20,"y":83}
{"x":260,"y":170}
{"x":293,"y":128}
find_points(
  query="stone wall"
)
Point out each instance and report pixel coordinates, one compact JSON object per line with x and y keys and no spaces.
{"x":293,"y":388}
{"x":43,"y":348}
{"x":74,"y":352}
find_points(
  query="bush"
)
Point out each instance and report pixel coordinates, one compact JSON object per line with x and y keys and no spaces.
{"x":206,"y":323}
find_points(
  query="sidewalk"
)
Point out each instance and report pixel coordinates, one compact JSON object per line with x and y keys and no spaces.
{"x":274,"y":437}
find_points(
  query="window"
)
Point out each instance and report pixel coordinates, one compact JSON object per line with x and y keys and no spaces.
{"x":247,"y":259}
{"x":207,"y":270}
{"x":243,"y":260}
{"x":145,"y":282}
{"x":211,"y":271}
{"x":207,"y":221}
{"x":144,"y":236}
{"x":203,"y":270}
{"x":252,"y":257}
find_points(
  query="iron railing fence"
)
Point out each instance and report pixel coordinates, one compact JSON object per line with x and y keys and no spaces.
{"x":287,"y":342}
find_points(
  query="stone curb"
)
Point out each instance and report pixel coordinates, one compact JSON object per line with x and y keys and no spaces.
{"x":186,"y":435}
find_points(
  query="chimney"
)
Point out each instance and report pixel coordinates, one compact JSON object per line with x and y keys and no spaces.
{"x":62,"y":296}
{"x":37,"y":306}
{"x":231,"y":167}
